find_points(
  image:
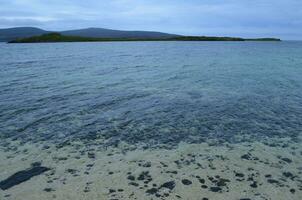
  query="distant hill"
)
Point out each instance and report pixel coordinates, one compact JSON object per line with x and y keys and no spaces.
{"x":19,"y":32}
{"x":25,"y":32}
{"x":109,"y":33}
{"x":31,"y":34}
{"x":58,"y":37}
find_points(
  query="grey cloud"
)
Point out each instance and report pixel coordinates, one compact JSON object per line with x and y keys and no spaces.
{"x":215,"y":17}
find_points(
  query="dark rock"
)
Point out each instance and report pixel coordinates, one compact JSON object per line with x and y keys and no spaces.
{"x":186,"y":182}
{"x":254,"y":184}
{"x":288,"y":174}
{"x":90,"y":165}
{"x":163,"y":164}
{"x":134,"y":184}
{"x":239,"y":175}
{"x":131,"y":177}
{"x":170,"y":185}
{"x":71,"y":171}
{"x":272,"y":181}
{"x":147,"y":164}
{"x":36,"y":164}
{"x":140,"y":178}
{"x":152,"y":191}
{"x":91,"y":155}
{"x":286,"y":160}
{"x":112,"y":191}
{"x":222,"y":182}
{"x":22,"y":176}
{"x":144,"y":176}
{"x":172,"y":172}
{"x":61,"y":158}
{"x":201,"y":180}
{"x":49,"y":190}
{"x":246,"y":157}
{"x":215,"y":189}
{"x":45,"y":147}
{"x":292,"y":190}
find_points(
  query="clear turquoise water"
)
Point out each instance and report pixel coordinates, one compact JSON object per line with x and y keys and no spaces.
{"x":151,"y":92}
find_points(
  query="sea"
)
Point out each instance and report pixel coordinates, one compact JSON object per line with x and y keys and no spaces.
{"x":151,"y":120}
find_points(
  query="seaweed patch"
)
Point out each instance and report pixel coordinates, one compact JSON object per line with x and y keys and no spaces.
{"x":22,"y":176}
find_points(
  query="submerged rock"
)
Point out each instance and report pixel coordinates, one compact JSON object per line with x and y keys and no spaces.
{"x":222,"y":182}
{"x":49,"y":189}
{"x":288,"y":175}
{"x":91,"y":155}
{"x":286,"y":160}
{"x":152,"y":191}
{"x":170,"y":185}
{"x":272,"y":181}
{"x":186,"y":182}
{"x":22,"y":176}
{"x":215,"y":189}
{"x":131,"y":177}
{"x":246,"y":157}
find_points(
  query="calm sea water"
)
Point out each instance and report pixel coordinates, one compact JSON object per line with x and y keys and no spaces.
{"x":151,"y":92}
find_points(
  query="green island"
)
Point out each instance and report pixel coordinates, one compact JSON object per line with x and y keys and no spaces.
{"x":57,"y":37}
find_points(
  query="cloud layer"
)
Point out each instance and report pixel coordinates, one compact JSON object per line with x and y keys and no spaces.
{"x":244,"y":18}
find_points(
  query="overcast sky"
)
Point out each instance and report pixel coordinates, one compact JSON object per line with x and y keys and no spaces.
{"x":244,"y":18}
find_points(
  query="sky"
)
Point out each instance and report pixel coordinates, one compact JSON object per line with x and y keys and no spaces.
{"x":241,"y":18}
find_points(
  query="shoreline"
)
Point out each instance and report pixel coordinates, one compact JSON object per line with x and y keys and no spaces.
{"x":57,"y":37}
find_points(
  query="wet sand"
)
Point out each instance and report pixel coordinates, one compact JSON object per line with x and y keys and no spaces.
{"x":247,"y":170}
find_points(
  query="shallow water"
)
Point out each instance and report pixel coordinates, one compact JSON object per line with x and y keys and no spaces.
{"x":159,"y":92}
{"x":125,"y":98}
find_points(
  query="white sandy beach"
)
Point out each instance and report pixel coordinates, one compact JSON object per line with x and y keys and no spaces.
{"x":74,"y":175}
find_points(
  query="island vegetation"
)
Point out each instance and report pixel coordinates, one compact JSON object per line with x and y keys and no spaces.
{"x":57,"y":37}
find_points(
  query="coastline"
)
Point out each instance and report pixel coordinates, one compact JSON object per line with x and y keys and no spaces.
{"x":57,"y":37}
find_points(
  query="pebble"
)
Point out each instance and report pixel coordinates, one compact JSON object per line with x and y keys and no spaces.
{"x":186,"y":182}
